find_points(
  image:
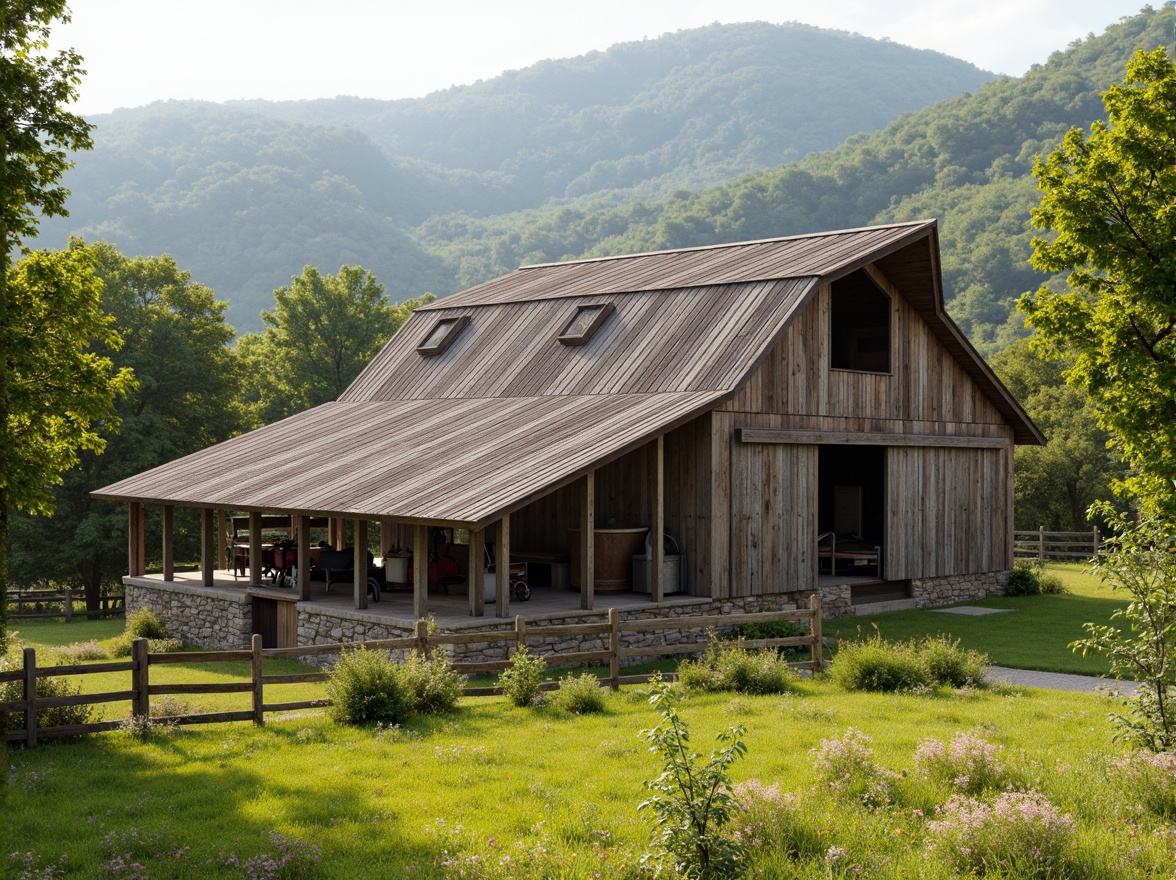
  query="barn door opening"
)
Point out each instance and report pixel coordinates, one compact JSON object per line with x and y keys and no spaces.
{"x":851,"y":511}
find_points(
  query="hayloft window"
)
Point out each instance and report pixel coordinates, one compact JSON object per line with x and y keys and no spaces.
{"x":585,"y":323}
{"x":859,"y":325}
{"x":442,"y":335}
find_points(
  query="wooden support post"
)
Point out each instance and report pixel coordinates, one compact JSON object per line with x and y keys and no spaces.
{"x":255,"y":549}
{"x":222,"y":539}
{"x":1041,"y":544}
{"x":258,"y":692}
{"x":588,"y":541}
{"x":421,"y":633}
{"x":386,"y":537}
{"x":502,"y":567}
{"x":420,"y":571}
{"x":141,"y":685}
{"x":303,"y":564}
{"x":207,"y":545}
{"x":658,"y":526}
{"x":818,"y":644}
{"x":520,"y":632}
{"x":30,"y":697}
{"x":477,"y":572}
{"x":68,"y":604}
{"x":169,"y":563}
{"x":614,"y":648}
{"x":359,"y":584}
{"x":136,"y":540}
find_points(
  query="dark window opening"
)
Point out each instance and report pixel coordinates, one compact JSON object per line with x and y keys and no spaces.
{"x":859,"y":323}
{"x":442,"y":335}
{"x":584,"y":323}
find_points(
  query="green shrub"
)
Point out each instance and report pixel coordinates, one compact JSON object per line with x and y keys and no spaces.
{"x":122,"y":645}
{"x":366,"y":687}
{"x":46,"y":687}
{"x":433,"y":684}
{"x":1147,"y":779}
{"x":877,"y":665}
{"x":581,"y":695}
{"x":947,"y":664}
{"x":1050,"y":584}
{"x":1025,"y":579}
{"x":522,"y":681}
{"x":776,"y":629}
{"x":728,"y":666}
{"x":145,"y":624}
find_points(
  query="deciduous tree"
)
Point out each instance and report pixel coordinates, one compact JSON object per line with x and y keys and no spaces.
{"x":53,"y":390}
{"x":322,"y":332}
{"x":1108,"y":202}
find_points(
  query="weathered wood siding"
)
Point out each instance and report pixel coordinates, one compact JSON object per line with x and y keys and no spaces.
{"x":946,"y":512}
{"x":623,"y":492}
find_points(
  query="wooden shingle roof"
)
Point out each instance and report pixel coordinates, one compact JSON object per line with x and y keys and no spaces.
{"x":507,"y":413}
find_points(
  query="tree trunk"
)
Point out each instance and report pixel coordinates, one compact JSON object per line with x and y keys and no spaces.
{"x":91,"y":574}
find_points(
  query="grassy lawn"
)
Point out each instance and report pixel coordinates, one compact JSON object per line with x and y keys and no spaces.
{"x":1033,"y":633}
{"x":494,"y":781}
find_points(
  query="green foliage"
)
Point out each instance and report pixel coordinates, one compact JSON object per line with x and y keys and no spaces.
{"x":1024,"y":579}
{"x":950,"y":665}
{"x":1107,"y":205}
{"x":143,"y":623}
{"x":845,"y":765}
{"x":1146,"y":780}
{"x":969,"y":764}
{"x":366,"y":687}
{"x":728,"y":666}
{"x":521,"y":681}
{"x":323,"y":330}
{"x":874,"y":664}
{"x":692,"y":801}
{"x":1141,"y":561}
{"x":432,"y":683}
{"x":47,"y":687}
{"x":777,"y":629}
{"x":579,"y":694}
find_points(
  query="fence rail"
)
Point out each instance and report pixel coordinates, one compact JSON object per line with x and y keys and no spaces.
{"x":59,"y":604}
{"x":1042,"y":545}
{"x":142,"y":661}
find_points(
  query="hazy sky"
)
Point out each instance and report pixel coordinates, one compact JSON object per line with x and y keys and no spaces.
{"x":138,"y":51}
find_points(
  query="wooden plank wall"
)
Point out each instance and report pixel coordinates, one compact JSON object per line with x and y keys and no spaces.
{"x":623,"y":492}
{"x":947,"y":511}
{"x":926,"y":385}
{"x":773,"y":518}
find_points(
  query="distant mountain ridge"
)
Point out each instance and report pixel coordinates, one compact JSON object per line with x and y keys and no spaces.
{"x":245,"y":194}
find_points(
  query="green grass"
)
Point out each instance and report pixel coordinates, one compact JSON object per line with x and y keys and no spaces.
{"x":1034,"y":633}
{"x":381,"y":805}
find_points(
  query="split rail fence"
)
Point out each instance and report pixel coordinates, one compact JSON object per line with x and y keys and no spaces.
{"x":31,"y":604}
{"x":1042,"y":545}
{"x":142,"y":662}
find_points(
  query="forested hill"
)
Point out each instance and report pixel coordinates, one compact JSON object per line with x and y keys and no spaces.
{"x":966,"y":161}
{"x":245,"y":194}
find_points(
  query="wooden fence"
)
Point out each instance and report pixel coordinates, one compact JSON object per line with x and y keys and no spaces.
{"x":59,"y":604}
{"x":1042,"y":545}
{"x":141,"y":690}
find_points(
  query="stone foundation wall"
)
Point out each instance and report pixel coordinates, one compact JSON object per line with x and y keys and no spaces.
{"x":935,"y":592}
{"x":197,"y":615}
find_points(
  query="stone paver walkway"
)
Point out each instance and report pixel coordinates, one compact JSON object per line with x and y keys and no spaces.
{"x":1059,"y":681}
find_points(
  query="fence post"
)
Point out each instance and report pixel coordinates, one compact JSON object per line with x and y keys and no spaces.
{"x":815,"y":627}
{"x":614,"y":648}
{"x":68,"y":604}
{"x":520,"y":632}
{"x":422,"y":637}
{"x":1041,"y":544}
{"x":30,"y":696}
{"x":258,"y":693}
{"x":141,"y":704}
{"x":1096,"y":537}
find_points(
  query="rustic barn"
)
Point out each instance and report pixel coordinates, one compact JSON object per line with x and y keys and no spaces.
{"x":794,"y":415}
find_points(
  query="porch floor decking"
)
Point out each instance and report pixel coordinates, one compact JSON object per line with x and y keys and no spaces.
{"x":449,"y":610}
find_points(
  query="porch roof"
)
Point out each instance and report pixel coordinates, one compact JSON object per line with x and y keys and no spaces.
{"x":465,"y":462}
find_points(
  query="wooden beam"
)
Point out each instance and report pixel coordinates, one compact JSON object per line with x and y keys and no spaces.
{"x":303,"y":565}
{"x":502,"y":567}
{"x":477,"y":572}
{"x":359,"y":582}
{"x":136,"y":540}
{"x":848,"y":438}
{"x":169,"y":562}
{"x":420,"y":571}
{"x":207,"y":545}
{"x":588,"y":541}
{"x":658,"y":526}
{"x":221,"y":539}
{"x":255,"y":549}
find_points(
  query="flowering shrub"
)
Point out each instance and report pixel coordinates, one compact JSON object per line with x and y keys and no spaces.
{"x":970,"y":764}
{"x":78,"y":652}
{"x":769,"y":818}
{"x":1019,"y":833}
{"x":1149,"y":780}
{"x":291,"y":860}
{"x":846,"y":766}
